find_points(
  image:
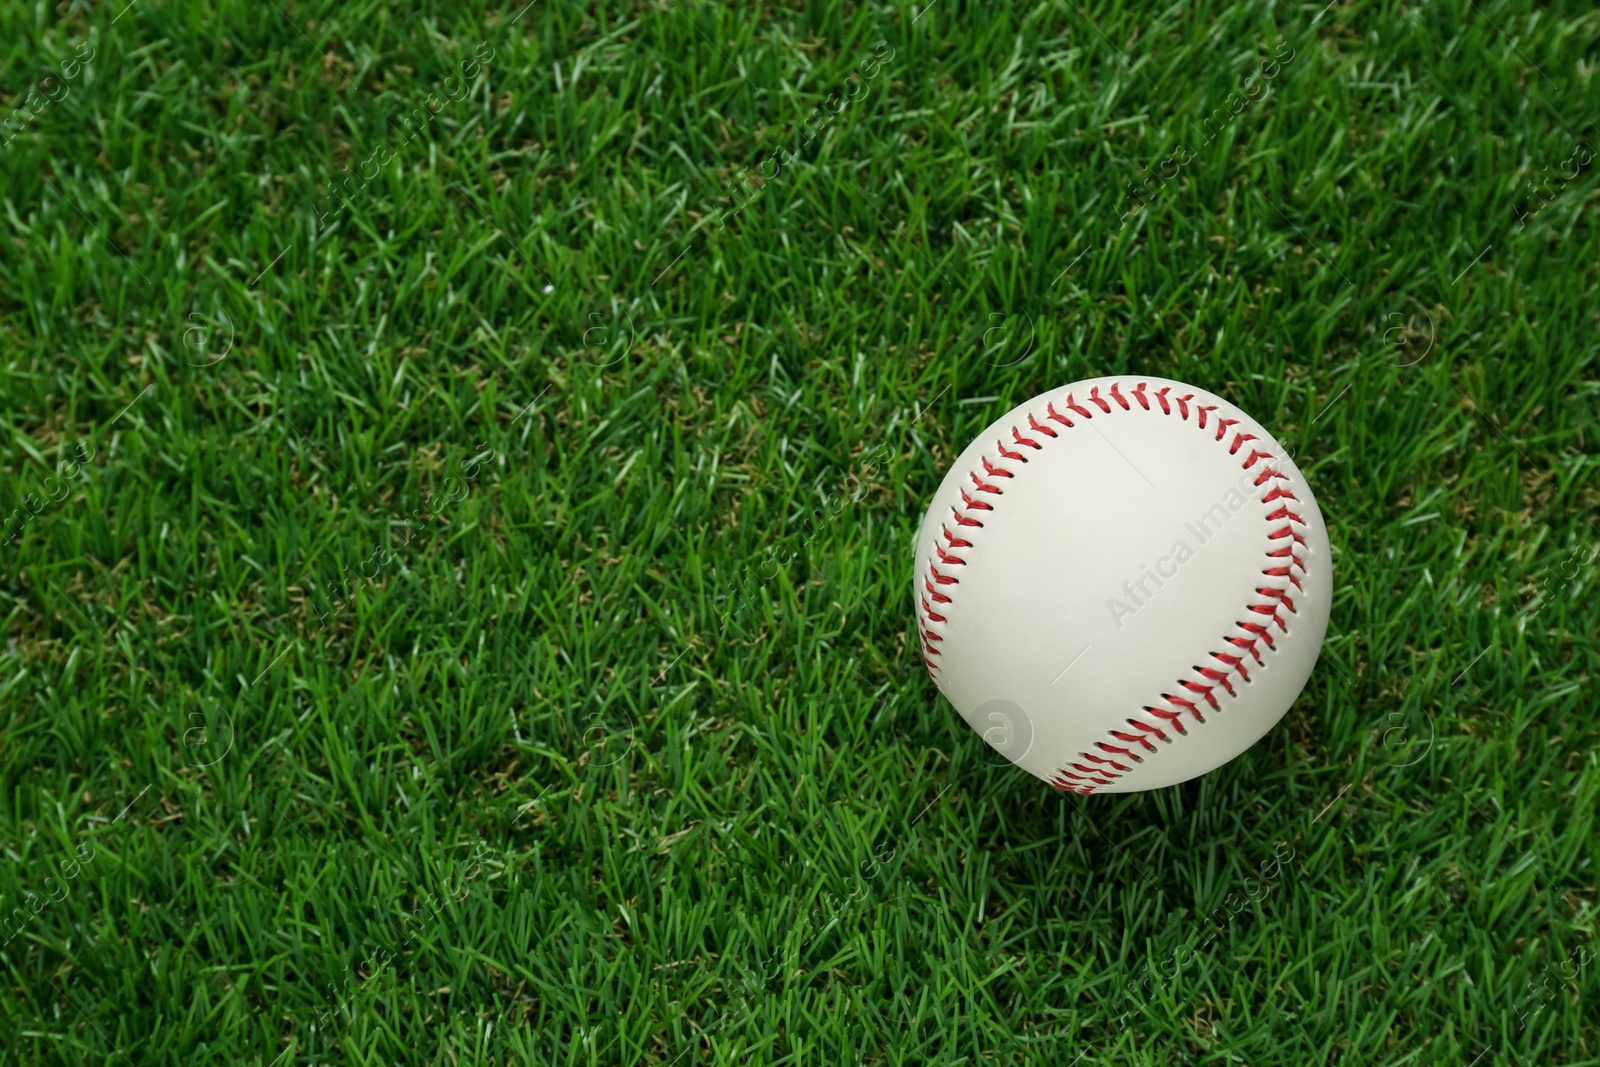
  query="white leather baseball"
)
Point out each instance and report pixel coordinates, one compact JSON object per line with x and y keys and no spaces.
{"x":1123,"y":584}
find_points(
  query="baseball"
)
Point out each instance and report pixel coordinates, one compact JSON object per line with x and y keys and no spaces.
{"x":1122,"y":584}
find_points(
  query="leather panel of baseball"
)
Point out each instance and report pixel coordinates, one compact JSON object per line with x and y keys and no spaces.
{"x":1148,"y":597}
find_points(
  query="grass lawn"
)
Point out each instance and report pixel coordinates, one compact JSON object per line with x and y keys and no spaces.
{"x":421,"y":645}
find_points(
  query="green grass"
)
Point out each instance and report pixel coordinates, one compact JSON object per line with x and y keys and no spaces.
{"x":608,"y":757}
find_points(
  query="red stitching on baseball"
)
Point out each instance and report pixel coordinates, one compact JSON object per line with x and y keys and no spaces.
{"x":1147,"y":728}
{"x":1102,"y":746}
{"x":1173,"y":717}
{"x":1268,"y":473}
{"x":1238,"y":642}
{"x":983,"y":486}
{"x":996,"y":472}
{"x":1121,"y":735}
{"x":1056,"y":416}
{"x":1105,"y":771}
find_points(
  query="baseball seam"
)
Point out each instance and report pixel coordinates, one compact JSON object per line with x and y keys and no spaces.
{"x":1286,"y":567}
